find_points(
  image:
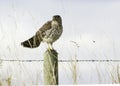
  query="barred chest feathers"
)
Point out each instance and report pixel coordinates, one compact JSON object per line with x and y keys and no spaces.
{"x":54,"y":33}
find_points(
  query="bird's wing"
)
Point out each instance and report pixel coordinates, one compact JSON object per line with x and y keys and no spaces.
{"x":35,"y":41}
{"x":42,"y":31}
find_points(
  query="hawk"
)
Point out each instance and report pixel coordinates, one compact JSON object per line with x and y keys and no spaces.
{"x":49,"y":33}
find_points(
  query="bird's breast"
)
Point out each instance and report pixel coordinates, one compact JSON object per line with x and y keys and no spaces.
{"x":54,"y":33}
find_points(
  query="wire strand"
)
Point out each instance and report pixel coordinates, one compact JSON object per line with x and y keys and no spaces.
{"x":2,"y":60}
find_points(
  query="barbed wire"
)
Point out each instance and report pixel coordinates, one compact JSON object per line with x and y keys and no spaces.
{"x":61,"y":60}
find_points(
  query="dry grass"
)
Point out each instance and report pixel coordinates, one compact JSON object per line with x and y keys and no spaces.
{"x":99,"y":74}
{"x":73,"y":64}
{"x":74,"y":71}
{"x":115,"y":74}
{"x":8,"y":80}
{"x":118,"y":73}
{"x":0,"y":83}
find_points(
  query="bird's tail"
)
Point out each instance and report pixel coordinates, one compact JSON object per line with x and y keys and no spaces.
{"x":33,"y":42}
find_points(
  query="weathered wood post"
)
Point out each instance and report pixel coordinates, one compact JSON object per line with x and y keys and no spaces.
{"x":51,"y":67}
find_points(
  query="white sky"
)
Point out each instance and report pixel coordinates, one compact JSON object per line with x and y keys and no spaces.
{"x":84,"y":21}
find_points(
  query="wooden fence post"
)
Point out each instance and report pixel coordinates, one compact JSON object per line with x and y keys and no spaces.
{"x":51,"y":67}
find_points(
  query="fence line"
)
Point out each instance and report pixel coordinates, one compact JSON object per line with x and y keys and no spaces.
{"x":61,"y":60}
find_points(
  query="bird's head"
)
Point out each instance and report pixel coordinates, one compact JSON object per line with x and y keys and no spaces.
{"x":57,"y":18}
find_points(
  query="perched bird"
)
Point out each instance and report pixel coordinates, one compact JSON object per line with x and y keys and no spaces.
{"x":49,"y":33}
